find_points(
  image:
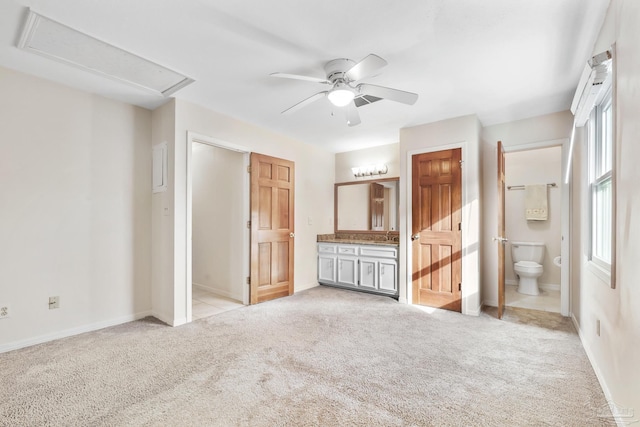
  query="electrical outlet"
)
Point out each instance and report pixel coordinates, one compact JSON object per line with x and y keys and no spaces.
{"x":4,"y":311}
{"x":54,"y":302}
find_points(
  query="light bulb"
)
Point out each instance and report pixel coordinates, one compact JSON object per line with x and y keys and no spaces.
{"x":341,"y":95}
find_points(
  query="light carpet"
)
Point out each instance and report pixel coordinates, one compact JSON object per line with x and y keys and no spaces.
{"x":323,"y":357}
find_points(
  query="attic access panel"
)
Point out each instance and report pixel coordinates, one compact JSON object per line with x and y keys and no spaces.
{"x":59,"y":42}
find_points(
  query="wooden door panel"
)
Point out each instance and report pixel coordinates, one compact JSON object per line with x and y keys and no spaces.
{"x":445,"y":269}
{"x":272,"y":227}
{"x":445,"y":208}
{"x":282,"y":272}
{"x":437,"y":204}
{"x":264,"y":264}
{"x":266,"y":199}
{"x":376,"y":204}
{"x":283,"y":209}
{"x":425,"y":218}
{"x":284,"y":173}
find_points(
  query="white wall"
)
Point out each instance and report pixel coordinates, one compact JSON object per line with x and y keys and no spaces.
{"x":75,"y":186}
{"x":540,"y":166}
{"x":550,"y":127}
{"x":218,"y":219}
{"x":386,"y":154}
{"x":615,"y":353}
{"x":162,"y":272}
{"x":314,"y":197}
{"x":458,"y":132}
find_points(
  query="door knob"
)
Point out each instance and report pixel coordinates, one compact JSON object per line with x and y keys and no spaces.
{"x":292,"y":234}
{"x":415,"y":236}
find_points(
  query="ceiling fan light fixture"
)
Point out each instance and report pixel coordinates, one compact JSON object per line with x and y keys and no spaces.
{"x":341,"y":95}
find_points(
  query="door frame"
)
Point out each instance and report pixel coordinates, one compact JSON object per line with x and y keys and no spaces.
{"x":469,"y":265}
{"x":204,"y":139}
{"x":565,"y":215}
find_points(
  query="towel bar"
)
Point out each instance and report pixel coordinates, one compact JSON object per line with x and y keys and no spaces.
{"x":521,"y":187}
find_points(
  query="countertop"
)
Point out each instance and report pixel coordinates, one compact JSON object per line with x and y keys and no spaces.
{"x":361,"y":242}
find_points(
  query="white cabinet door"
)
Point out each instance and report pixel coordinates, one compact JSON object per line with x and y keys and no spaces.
{"x":327,"y":269}
{"x":388,"y":272}
{"x":368,"y":269}
{"x":348,"y":271}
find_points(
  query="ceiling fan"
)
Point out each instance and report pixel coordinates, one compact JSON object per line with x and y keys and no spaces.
{"x":343,"y":76}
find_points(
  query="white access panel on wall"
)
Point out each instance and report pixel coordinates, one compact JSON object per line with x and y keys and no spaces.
{"x":159,"y":169}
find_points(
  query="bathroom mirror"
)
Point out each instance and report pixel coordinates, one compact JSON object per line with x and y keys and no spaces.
{"x":367,"y":206}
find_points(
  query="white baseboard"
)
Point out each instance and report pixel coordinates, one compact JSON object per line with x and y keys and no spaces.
{"x":217,"y":291}
{"x":164,"y":319}
{"x":474,"y":312}
{"x":603,"y":384}
{"x":73,"y":331}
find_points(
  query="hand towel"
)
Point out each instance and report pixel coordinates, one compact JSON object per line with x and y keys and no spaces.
{"x":535,"y":202}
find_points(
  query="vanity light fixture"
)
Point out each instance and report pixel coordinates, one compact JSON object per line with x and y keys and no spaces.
{"x":369,"y":170}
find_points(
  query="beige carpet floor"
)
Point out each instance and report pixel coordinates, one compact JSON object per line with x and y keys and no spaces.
{"x":323,"y":357}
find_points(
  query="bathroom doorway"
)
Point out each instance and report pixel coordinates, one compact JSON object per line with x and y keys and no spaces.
{"x":539,"y":166}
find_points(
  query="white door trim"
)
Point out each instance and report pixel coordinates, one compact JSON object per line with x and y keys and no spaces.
{"x":195,"y":137}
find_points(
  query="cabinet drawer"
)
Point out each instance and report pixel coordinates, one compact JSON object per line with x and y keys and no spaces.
{"x":325,"y":248}
{"x":348,"y":250}
{"x":379,"y":251}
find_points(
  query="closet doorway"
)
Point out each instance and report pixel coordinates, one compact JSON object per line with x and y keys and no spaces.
{"x":219,"y":238}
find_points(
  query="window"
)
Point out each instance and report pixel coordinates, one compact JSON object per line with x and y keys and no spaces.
{"x":601,"y":184}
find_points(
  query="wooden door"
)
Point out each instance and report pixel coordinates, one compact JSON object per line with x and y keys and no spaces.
{"x":436,"y":229}
{"x":501,"y":230}
{"x":272,"y":227}
{"x":377,"y":207}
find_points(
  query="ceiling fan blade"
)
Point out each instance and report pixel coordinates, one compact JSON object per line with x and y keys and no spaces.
{"x":299,"y":77}
{"x":365,"y":68}
{"x":305,"y":102}
{"x":353,"y":117}
{"x":388,"y":93}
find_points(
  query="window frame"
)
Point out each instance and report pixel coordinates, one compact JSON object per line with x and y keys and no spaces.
{"x":597,"y":179}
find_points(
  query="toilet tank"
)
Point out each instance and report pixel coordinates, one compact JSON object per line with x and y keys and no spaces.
{"x":527,"y":251}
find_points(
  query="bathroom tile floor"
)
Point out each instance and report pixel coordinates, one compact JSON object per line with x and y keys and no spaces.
{"x":548,"y":300}
{"x":205,"y":304}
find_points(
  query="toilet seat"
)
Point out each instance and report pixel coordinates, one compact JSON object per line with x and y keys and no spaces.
{"x":528,"y":266}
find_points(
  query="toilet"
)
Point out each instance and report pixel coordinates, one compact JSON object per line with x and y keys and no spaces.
{"x":527,"y":263}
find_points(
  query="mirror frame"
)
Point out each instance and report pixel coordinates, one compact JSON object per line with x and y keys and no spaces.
{"x":335,"y":206}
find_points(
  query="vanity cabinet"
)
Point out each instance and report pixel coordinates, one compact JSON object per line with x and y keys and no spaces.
{"x":371,"y":268}
{"x":327,"y":264}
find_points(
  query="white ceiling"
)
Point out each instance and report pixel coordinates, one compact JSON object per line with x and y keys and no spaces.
{"x":500,"y":59}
